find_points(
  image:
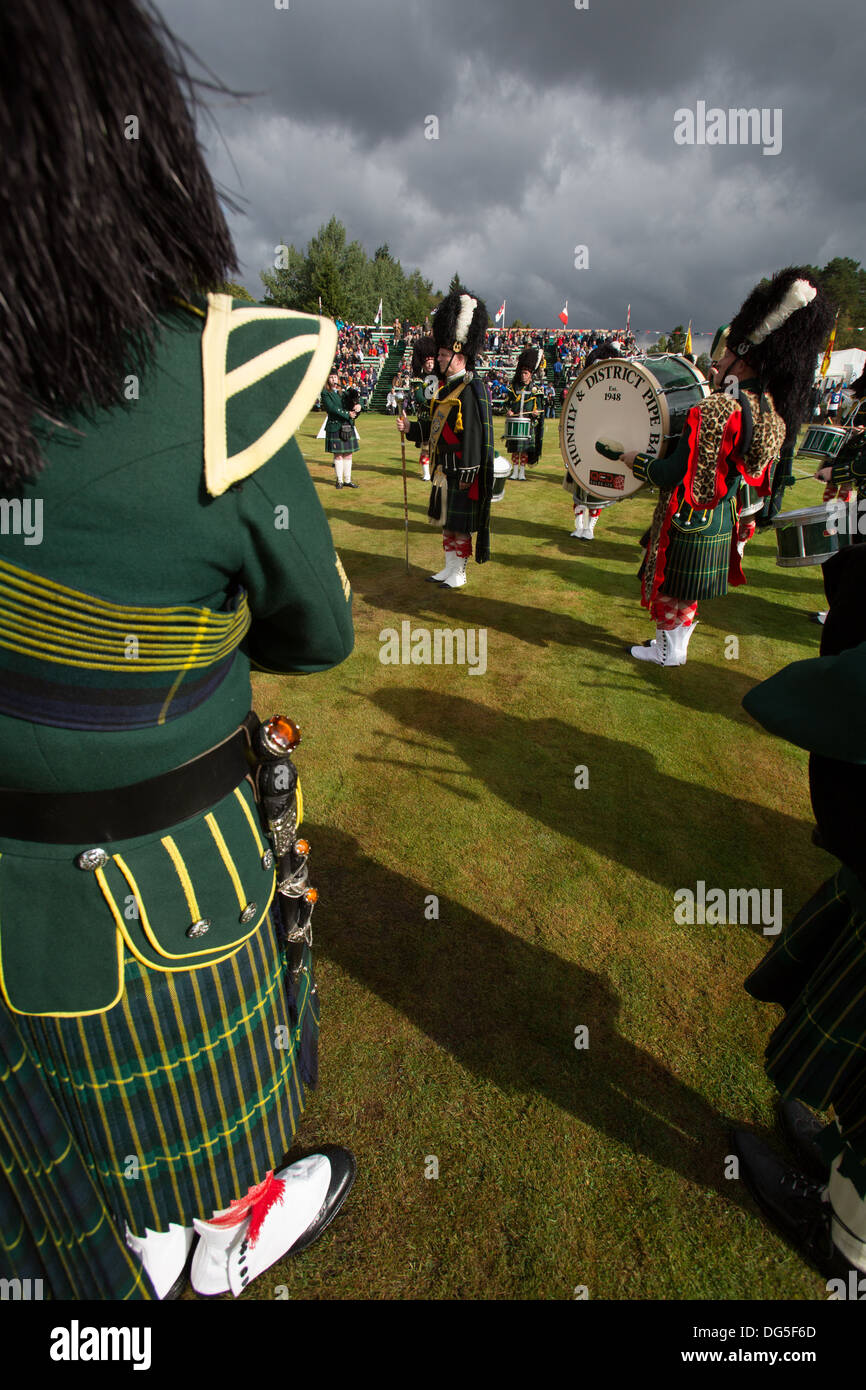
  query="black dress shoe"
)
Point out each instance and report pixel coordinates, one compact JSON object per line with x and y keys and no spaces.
{"x":343,"y":1171}
{"x":351,"y":485}
{"x":338,"y":484}
{"x":801,"y":1127}
{"x":792,"y":1202}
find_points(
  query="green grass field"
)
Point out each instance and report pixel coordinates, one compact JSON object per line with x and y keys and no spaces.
{"x":453,"y":1038}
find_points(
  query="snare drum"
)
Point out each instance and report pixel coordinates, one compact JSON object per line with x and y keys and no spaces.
{"x":811,"y":535}
{"x":518,"y":432}
{"x":823,"y":441}
{"x":750,"y":502}
{"x":638,"y":403}
{"x":501,"y":470}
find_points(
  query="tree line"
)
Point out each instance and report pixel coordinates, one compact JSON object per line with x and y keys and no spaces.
{"x":336,"y":277}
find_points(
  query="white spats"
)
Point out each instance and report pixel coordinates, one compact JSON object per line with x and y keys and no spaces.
{"x":162,"y":1253}
{"x":210,"y":1263}
{"x":849,"y":1217}
{"x":456,"y":578}
{"x":667,"y":648}
{"x":230,"y":1255}
{"x":584,"y":523}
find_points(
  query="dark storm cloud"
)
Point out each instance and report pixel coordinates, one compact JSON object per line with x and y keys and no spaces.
{"x":556,"y":128}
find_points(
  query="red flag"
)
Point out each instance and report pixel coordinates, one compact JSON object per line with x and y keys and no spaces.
{"x":563,"y":314}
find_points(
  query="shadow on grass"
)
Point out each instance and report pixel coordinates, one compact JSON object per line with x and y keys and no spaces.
{"x":646,"y":820}
{"x":382,"y":582}
{"x":713,"y":686}
{"x":508,"y":1011}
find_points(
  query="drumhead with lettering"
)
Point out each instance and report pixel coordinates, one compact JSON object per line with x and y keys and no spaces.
{"x":616,"y":406}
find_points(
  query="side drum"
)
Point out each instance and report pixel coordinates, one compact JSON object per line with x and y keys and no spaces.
{"x":823,"y":441}
{"x":810,"y":536}
{"x":518,"y":432}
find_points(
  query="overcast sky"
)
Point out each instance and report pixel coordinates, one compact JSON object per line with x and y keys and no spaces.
{"x":555,"y":129}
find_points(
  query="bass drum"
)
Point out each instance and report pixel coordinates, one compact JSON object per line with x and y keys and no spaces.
{"x":623,"y":404}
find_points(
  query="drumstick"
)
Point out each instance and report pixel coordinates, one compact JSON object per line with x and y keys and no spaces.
{"x":609,"y":448}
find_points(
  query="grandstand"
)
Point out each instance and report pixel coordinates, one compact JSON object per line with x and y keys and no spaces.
{"x":498,"y":364}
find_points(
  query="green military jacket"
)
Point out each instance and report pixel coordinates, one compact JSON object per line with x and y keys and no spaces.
{"x":182,"y":542}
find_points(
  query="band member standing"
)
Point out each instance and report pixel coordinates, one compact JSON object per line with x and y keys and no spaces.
{"x":816,"y":970}
{"x":734,"y":434}
{"x":154,"y":1045}
{"x":341,"y":439}
{"x":461,"y":439}
{"x":423,"y":387}
{"x":524,"y":399}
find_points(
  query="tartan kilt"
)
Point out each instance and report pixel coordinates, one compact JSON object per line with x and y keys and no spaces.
{"x":698,"y":556}
{"x":817,"y":972}
{"x":462,"y":512}
{"x":334,"y":444}
{"x":165,"y":1108}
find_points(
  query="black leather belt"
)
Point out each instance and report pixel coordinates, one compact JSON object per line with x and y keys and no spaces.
{"x":122,"y":813}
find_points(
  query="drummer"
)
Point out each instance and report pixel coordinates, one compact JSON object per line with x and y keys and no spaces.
{"x":848,"y":468}
{"x":735,"y":434}
{"x":524,"y":399}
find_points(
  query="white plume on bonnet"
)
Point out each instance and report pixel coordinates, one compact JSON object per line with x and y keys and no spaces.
{"x":468,"y":305}
{"x":798,"y":296}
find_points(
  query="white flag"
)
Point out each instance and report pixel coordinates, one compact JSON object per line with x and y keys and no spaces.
{"x":378,"y":318}
{"x":501,"y":315}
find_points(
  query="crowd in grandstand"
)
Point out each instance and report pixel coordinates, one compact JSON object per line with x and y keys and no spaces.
{"x":362,"y":350}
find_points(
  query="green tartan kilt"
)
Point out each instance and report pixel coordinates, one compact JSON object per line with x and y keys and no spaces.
{"x":167,"y":1107}
{"x":462,"y":513}
{"x":334,"y":444}
{"x":699,"y":552}
{"x":817,"y":972}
